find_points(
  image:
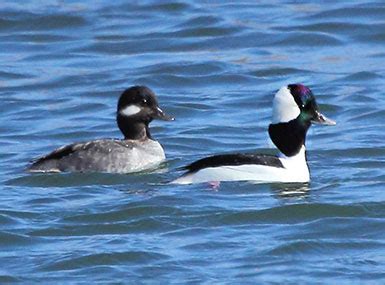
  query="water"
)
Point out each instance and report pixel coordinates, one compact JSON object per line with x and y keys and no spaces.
{"x":215,"y":66}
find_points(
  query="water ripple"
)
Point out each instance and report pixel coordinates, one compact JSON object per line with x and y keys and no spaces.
{"x":138,"y":257}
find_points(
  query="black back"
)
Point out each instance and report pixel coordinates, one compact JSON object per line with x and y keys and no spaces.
{"x":57,"y":154}
{"x":234,"y":160}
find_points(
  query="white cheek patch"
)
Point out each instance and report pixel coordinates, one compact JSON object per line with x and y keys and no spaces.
{"x":285,"y":108}
{"x":130,"y":110}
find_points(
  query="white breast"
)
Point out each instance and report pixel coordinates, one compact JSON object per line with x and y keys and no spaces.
{"x":144,"y":155}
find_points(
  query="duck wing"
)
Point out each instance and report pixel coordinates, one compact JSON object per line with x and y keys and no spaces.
{"x":234,"y":160}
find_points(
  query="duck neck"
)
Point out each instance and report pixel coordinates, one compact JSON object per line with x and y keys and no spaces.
{"x":289,"y":137}
{"x":132,"y":129}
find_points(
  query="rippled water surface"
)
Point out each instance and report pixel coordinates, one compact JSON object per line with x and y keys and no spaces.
{"x":215,"y":66}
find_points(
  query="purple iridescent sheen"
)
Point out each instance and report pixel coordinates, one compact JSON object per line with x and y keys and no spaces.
{"x":302,"y":89}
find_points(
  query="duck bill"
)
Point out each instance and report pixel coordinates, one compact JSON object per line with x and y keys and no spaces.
{"x":321,"y":119}
{"x":160,"y":115}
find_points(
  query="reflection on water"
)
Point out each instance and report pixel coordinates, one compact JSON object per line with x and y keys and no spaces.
{"x":291,"y":190}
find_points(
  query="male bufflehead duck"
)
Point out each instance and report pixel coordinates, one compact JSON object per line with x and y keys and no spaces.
{"x":137,"y":107}
{"x":294,"y":109}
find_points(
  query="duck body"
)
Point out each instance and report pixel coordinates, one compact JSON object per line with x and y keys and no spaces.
{"x":138,"y":151}
{"x":107,"y":155}
{"x":294,"y":110}
{"x":248,"y":167}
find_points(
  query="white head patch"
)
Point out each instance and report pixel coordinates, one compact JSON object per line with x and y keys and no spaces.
{"x":285,"y":108}
{"x":130,"y":110}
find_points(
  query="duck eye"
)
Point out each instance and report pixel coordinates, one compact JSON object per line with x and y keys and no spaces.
{"x":144,"y":101}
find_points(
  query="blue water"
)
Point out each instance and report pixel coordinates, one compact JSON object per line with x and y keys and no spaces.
{"x":215,"y":66}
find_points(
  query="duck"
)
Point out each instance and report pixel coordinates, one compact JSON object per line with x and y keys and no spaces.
{"x":137,"y":151}
{"x":294,"y":110}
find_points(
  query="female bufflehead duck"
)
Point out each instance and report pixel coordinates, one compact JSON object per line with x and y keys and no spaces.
{"x":137,"y":107}
{"x":294,"y":109}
